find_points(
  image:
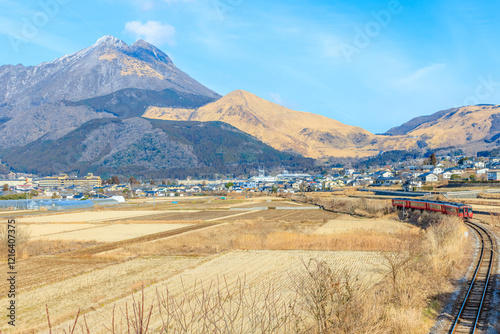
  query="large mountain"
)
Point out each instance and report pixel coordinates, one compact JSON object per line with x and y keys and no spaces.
{"x":304,"y":133}
{"x":470,"y":128}
{"x":100,"y":81}
{"x":148,"y":147}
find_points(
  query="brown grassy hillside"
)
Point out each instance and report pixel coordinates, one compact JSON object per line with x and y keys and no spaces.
{"x":315,"y":136}
{"x":308,"y":134}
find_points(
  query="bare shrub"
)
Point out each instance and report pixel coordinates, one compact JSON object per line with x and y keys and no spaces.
{"x":223,"y":308}
{"x":422,"y":219}
{"x":375,"y":208}
{"x":22,"y":235}
{"x":329,"y":297}
{"x":360,"y":206}
{"x":138,"y":319}
{"x":440,"y":197}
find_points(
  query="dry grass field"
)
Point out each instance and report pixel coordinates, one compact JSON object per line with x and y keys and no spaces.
{"x":347,"y":223}
{"x":295,"y":216}
{"x":485,"y":208}
{"x":40,"y":271}
{"x":190,"y":203}
{"x":94,"y":289}
{"x":87,"y":216}
{"x":101,"y":233}
{"x":198,"y":257}
{"x":257,"y":268}
{"x":166,"y":216}
{"x":269,"y":203}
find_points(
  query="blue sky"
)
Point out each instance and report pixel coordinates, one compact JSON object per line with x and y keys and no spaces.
{"x":373,"y":64}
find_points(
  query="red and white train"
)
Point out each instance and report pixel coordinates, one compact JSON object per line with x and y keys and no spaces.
{"x":463,"y":211}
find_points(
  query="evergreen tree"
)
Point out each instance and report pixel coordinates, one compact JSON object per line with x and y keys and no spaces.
{"x":433,"y":159}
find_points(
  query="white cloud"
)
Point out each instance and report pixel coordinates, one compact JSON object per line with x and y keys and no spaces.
{"x":154,"y":32}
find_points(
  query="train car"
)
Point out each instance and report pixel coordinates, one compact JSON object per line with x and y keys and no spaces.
{"x":463,"y":211}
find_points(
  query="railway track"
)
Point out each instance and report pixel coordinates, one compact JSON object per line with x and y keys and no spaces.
{"x":470,"y":317}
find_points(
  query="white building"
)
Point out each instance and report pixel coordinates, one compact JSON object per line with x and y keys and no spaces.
{"x":494,"y":175}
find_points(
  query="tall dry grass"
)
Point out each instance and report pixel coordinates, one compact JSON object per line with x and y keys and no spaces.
{"x":486,"y":195}
{"x":21,"y":238}
{"x":426,"y":272}
{"x":333,"y":300}
{"x":355,"y":240}
{"x":270,"y":235}
{"x":219,"y":238}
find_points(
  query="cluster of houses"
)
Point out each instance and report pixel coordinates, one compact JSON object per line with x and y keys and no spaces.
{"x":410,"y":177}
{"x":414,"y":176}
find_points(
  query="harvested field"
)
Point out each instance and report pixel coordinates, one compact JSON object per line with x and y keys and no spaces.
{"x":347,"y":223}
{"x":150,"y":200}
{"x":269,"y":203}
{"x":485,"y":208}
{"x":476,"y":201}
{"x":256,"y":268}
{"x":40,"y":230}
{"x":40,"y":271}
{"x":94,"y":289}
{"x":87,"y":216}
{"x":192,"y":203}
{"x":111,"y":233}
{"x":90,"y":251}
{"x":289,"y":215}
{"x":185,"y":216}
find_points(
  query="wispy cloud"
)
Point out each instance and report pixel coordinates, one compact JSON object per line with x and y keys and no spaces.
{"x":154,"y":32}
{"x":421,"y":74}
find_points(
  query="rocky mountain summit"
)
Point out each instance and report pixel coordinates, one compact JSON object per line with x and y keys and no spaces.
{"x":53,"y":98}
